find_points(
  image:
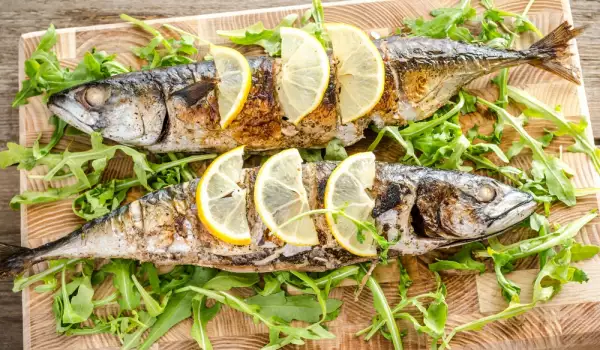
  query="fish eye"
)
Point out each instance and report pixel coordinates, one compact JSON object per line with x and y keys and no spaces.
{"x":96,"y":96}
{"x":486,"y":193}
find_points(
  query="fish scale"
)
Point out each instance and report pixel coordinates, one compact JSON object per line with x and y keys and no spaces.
{"x":175,"y":109}
{"x":420,"y":209}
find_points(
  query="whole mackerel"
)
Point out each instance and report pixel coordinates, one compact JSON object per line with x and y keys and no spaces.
{"x":175,"y":109}
{"x":427,"y":209}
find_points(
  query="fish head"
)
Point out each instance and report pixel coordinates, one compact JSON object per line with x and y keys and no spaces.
{"x":128,"y":109}
{"x":460,"y":206}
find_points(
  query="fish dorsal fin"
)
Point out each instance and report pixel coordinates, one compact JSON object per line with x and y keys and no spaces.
{"x":196,"y":92}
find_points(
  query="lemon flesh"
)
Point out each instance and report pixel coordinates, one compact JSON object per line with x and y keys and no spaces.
{"x":304,"y":75}
{"x":360,"y":70}
{"x":346,"y":189}
{"x":235,"y":80}
{"x":279,"y":196}
{"x":220,"y":200}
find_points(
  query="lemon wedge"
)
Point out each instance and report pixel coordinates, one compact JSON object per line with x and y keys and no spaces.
{"x":220,"y":200}
{"x":304,"y":75}
{"x":235,"y":80}
{"x":279,"y":196}
{"x":346,"y":189}
{"x":360,"y":71}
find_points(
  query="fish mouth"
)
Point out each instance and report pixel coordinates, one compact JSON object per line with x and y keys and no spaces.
{"x":522,"y":206}
{"x":61,"y":105}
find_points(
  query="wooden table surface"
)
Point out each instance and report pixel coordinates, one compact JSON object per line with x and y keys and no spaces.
{"x":20,"y":16}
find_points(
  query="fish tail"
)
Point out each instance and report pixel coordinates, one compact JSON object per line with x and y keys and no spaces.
{"x":551,"y":52}
{"x":14,"y":259}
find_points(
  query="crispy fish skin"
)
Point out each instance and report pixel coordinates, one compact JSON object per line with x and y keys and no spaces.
{"x":175,"y":109}
{"x":426,"y":208}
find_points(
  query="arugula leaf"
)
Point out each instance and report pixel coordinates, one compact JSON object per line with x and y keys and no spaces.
{"x":178,"y":308}
{"x":315,"y":28}
{"x":257,"y":34}
{"x":46,"y":76}
{"x":405,"y":281}
{"x":295,"y":335}
{"x":122,"y":269}
{"x":548,"y":167}
{"x":296,"y":307}
{"x":272,"y":285}
{"x":132,"y":340}
{"x":335,"y":277}
{"x":78,"y":308}
{"x":535,"y":245}
{"x":202,"y":314}
{"x":335,"y":150}
{"x":55,"y":266}
{"x":444,"y":23}
{"x":310,"y":155}
{"x":225,"y":280}
{"x":383,"y":309}
{"x":173,"y":52}
{"x":431,"y":137}
{"x":152,"y":306}
{"x":536,"y":108}
{"x":461,"y":260}
{"x":59,"y":130}
{"x":583,"y":252}
{"x":106,"y":197}
{"x":321,"y":294}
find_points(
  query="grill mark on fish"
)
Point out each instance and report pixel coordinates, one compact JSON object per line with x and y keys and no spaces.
{"x":163,"y":227}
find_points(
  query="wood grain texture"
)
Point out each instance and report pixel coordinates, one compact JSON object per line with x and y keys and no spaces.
{"x":467,"y":297}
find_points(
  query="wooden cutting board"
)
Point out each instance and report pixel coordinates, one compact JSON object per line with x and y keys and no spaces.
{"x":572,"y":319}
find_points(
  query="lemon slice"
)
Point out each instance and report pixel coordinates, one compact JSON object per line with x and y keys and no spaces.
{"x":304,"y":74}
{"x":221,"y":202}
{"x":235,"y":80}
{"x":279,"y":195}
{"x":345,"y":189}
{"x":360,"y":72}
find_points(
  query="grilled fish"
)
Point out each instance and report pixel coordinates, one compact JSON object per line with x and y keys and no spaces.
{"x":427,"y":209}
{"x":175,"y":108}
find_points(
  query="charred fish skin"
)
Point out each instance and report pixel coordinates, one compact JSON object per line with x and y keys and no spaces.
{"x":176,"y":109}
{"x":420,"y":208}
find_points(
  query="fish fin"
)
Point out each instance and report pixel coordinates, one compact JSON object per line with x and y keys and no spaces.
{"x":552,"y":52}
{"x":196,"y":92}
{"x":14,"y":259}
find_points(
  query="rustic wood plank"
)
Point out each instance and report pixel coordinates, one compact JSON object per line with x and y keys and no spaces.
{"x":20,"y":17}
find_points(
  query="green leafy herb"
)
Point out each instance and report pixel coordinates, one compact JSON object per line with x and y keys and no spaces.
{"x":270,"y":39}
{"x":46,"y":76}
{"x":55,"y":266}
{"x":257,"y":34}
{"x":461,"y":260}
{"x":132,"y":340}
{"x":106,"y":197}
{"x":536,"y":108}
{"x":545,"y":166}
{"x":384,"y":311}
{"x":335,"y":150}
{"x":296,"y":307}
{"x":202,"y":314}
{"x":293,"y":334}
{"x":178,"y":308}
{"x":225,"y":280}
{"x":152,"y":306}
{"x":79,"y":307}
{"x":445,"y":23}
{"x":122,"y":269}
{"x":431,"y":137}
{"x":162,"y":52}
